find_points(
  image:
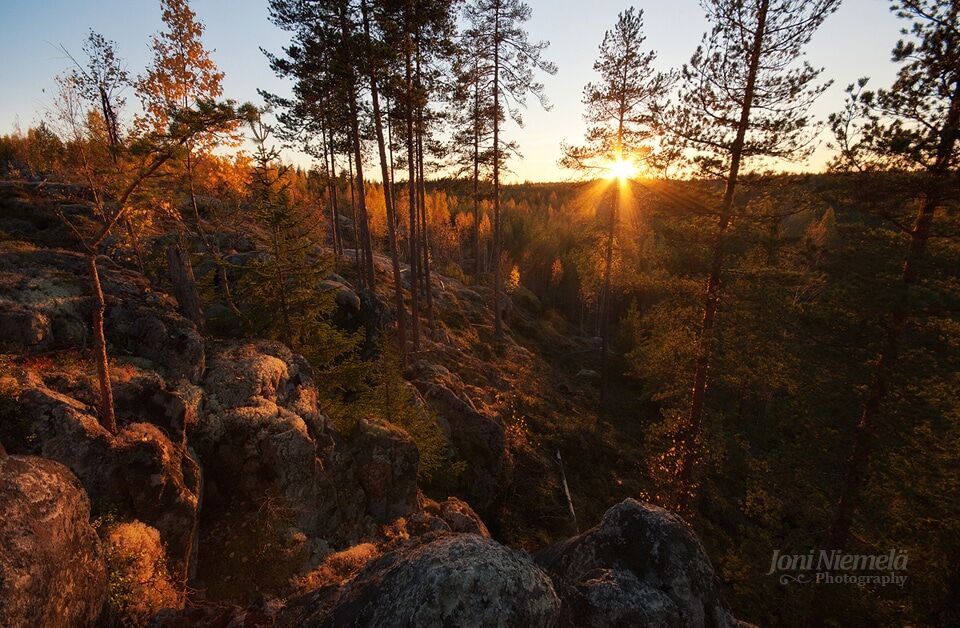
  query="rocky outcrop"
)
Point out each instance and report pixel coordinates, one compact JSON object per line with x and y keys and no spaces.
{"x":461,"y":518}
{"x":51,"y":566}
{"x":138,"y":473}
{"x":145,"y":397}
{"x":45,"y":304}
{"x":640,"y":566}
{"x":262,"y":433}
{"x":380,"y":459}
{"x":436,"y":580}
{"x":477,"y":437}
{"x":274,"y":463}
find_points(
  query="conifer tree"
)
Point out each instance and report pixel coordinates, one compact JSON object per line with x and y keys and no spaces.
{"x":471,"y":108}
{"x":913,"y":125}
{"x":621,"y":114}
{"x":745,"y":95}
{"x":513,"y":59}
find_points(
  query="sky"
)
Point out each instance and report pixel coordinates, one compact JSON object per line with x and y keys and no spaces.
{"x":854,"y":42}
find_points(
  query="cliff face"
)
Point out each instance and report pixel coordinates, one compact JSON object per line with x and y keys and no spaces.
{"x":234,"y":483}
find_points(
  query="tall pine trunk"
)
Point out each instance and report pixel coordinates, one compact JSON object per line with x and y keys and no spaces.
{"x":853,"y":483}
{"x":357,"y":258}
{"x":358,"y":159}
{"x":497,"y":278}
{"x":330,"y":172}
{"x":425,"y":231}
{"x":412,"y":190}
{"x":387,"y":197}
{"x":476,"y":171}
{"x":690,"y":438}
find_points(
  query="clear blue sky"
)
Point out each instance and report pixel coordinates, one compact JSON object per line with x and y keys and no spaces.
{"x":854,"y":42}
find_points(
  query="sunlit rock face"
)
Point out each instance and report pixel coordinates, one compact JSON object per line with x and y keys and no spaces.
{"x":52,"y":570}
{"x":640,"y":566}
{"x":137,"y":473}
{"x":436,"y":580}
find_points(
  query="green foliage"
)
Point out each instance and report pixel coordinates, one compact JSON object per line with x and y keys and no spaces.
{"x":281,"y":291}
{"x":390,"y":398}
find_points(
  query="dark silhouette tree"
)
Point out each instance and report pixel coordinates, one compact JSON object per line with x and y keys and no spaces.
{"x":621,"y":114}
{"x":745,"y":95}
{"x":914,"y":125}
{"x":506,"y":47}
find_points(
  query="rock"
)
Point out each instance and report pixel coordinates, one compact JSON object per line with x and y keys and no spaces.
{"x":477,"y":437}
{"x":261,"y":614}
{"x":271,"y":490}
{"x":262,"y":433}
{"x":382,"y":460}
{"x":51,"y":566}
{"x":461,"y":518}
{"x":640,"y":566}
{"x":144,"y":396}
{"x":525,"y":299}
{"x":46,"y":305}
{"x":138,"y":473}
{"x":344,"y":296}
{"x":436,"y":580}
{"x":587,"y":375}
{"x":140,"y":583}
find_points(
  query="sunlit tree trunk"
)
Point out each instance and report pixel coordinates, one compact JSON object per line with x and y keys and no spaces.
{"x":425,"y":230}
{"x":107,"y":417}
{"x":497,"y":278}
{"x":477,"y":256}
{"x":366,"y":244}
{"x":411,"y":185}
{"x":357,"y":259}
{"x":329,"y":168}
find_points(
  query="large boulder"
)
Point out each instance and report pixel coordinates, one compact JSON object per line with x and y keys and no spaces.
{"x":461,"y":518}
{"x":436,"y":580}
{"x":51,"y":566}
{"x":261,"y":434}
{"x":640,"y":566}
{"x":136,"y":474}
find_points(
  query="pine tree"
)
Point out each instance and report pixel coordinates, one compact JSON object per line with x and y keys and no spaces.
{"x":471,"y":110}
{"x":621,"y":112}
{"x":283,"y":289}
{"x":745,"y":95}
{"x":915,"y":126}
{"x":513,"y":59}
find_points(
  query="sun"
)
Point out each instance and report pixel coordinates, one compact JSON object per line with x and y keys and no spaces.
{"x":622,"y":169}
